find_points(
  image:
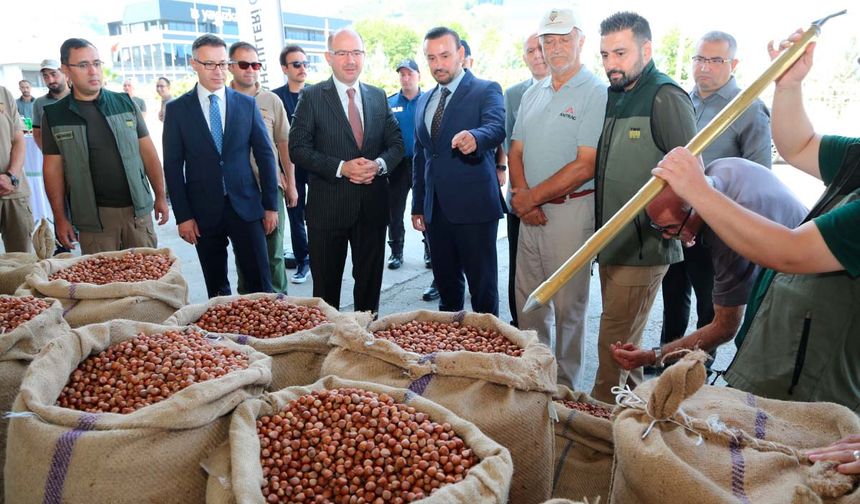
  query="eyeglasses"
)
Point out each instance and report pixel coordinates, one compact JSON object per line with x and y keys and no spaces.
{"x":356,"y":53}
{"x":668,"y":229}
{"x":701,"y":60}
{"x":211,"y":65}
{"x":245,"y":64}
{"x":86,"y":65}
{"x":299,"y":64}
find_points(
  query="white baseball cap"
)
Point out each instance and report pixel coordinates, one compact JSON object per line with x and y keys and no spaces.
{"x":557,"y":22}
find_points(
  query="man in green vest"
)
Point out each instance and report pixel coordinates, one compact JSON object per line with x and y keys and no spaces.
{"x":647,"y":114}
{"x":99,"y":154}
{"x":801,"y":335}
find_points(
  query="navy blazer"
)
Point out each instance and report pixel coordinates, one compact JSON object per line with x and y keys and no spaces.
{"x":197,"y":174}
{"x":466,"y":186}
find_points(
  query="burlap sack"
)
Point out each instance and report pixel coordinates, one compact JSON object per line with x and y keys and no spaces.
{"x":677,"y":440}
{"x":85,"y":303}
{"x":18,"y":348}
{"x":14,"y":268}
{"x":236,"y":476}
{"x":583,"y":450}
{"x":296,"y":358}
{"x":43,"y":240}
{"x":152,"y":455}
{"x":508,"y":398}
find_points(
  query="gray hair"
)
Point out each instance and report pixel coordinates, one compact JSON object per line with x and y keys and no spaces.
{"x":721,"y":36}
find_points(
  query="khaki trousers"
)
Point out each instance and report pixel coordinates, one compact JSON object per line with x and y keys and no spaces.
{"x":628,"y":294}
{"x":541,"y":250}
{"x":120,"y":230}
{"x":16,"y":224}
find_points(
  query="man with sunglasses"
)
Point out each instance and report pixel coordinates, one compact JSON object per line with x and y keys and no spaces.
{"x":294,"y":64}
{"x":98,"y":154}
{"x":753,"y":187}
{"x":748,"y":137}
{"x":245,"y":66}
{"x":210,"y":134}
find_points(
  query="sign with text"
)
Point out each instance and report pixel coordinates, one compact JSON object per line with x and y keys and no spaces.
{"x":261,"y":24}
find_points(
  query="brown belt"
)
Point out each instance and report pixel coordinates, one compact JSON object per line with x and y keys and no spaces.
{"x":562,"y":199}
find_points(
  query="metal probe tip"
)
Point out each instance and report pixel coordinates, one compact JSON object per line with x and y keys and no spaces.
{"x":531,"y":304}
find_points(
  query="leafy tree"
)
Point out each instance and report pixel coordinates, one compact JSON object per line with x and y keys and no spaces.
{"x":397,"y":41}
{"x":673,"y":54}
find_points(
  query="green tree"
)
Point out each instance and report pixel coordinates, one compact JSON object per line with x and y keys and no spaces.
{"x":673,"y":55}
{"x":397,"y":41}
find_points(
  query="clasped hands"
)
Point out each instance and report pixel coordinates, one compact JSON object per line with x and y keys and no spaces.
{"x":524,"y":206}
{"x":359,"y":170}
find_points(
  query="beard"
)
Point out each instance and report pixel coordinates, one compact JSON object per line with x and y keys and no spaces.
{"x":622,"y":79}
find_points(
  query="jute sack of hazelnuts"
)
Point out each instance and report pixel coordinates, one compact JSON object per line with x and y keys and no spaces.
{"x":14,"y":268}
{"x":18,"y":348}
{"x":583,"y":448}
{"x":153,"y":454}
{"x":507,"y":397}
{"x":678,"y":440}
{"x":296,"y":357}
{"x":89,"y":303}
{"x":236,"y":472}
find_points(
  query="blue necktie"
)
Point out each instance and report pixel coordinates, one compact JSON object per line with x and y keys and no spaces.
{"x":215,"y":122}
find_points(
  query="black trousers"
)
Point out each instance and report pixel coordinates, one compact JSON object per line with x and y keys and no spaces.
{"x":513,"y":238}
{"x":468,"y":250}
{"x":695,"y":272}
{"x":328,"y":248}
{"x":249,"y":246}
{"x":399,"y":184}
{"x":296,"y":215}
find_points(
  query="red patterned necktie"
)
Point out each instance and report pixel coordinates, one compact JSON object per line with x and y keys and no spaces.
{"x":355,"y":118}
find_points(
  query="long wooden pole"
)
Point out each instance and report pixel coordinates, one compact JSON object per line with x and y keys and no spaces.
{"x":649,"y":191}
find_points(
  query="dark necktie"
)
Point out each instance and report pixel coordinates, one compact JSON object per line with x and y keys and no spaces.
{"x":355,"y":118}
{"x":215,"y":122}
{"x":440,"y":109}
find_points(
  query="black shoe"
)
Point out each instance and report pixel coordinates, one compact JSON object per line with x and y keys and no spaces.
{"x":289,"y":260}
{"x":430,"y":293}
{"x":427,"y":262}
{"x":301,"y":274}
{"x":395,"y":261}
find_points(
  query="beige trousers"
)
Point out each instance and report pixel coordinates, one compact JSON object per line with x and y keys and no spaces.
{"x":120,"y":230}
{"x":16,"y":224}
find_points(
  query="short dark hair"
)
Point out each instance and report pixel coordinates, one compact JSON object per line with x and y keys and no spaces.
{"x":627,"y":20}
{"x":441,"y":31}
{"x":72,"y":43}
{"x":241,"y":45}
{"x":165,"y":79}
{"x":289,"y":50}
{"x":24,"y":80}
{"x":207,"y":39}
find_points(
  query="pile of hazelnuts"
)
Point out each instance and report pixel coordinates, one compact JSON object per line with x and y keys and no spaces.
{"x":15,"y":311}
{"x":428,"y":337}
{"x":129,"y":267}
{"x":146,"y":370}
{"x":260,"y":318}
{"x":350,"y":445}
{"x":594,"y":410}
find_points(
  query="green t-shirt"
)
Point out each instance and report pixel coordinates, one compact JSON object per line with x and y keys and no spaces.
{"x":838,"y":227}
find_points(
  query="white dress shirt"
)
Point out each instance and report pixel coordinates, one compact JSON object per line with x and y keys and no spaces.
{"x":203,"y":97}
{"x":344,"y":101}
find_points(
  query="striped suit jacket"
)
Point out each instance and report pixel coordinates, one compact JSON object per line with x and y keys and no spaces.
{"x":320,"y":138}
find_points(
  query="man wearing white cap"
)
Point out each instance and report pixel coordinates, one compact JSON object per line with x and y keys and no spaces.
{"x":58,"y":88}
{"x":551,"y":158}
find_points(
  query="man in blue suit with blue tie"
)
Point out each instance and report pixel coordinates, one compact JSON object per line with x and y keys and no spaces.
{"x":209,"y":134}
{"x":455,"y":191}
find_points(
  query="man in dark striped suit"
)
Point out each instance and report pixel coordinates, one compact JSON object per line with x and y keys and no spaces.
{"x":348,"y":140}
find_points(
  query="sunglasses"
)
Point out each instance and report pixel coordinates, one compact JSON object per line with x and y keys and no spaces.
{"x":245,"y":64}
{"x":668,"y":229}
{"x":299,"y":64}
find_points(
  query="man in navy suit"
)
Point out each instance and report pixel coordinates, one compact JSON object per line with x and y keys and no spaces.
{"x":455,"y":191}
{"x":209,"y":134}
{"x":347,"y":139}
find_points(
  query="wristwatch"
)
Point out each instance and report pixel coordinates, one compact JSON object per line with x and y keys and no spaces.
{"x":501,"y":167}
{"x":658,"y":356}
{"x":381,"y":169}
{"x":12,"y":178}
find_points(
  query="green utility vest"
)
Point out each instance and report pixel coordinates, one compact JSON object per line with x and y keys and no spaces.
{"x":70,"y":132}
{"x":803,"y":343}
{"x":626,"y":153}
